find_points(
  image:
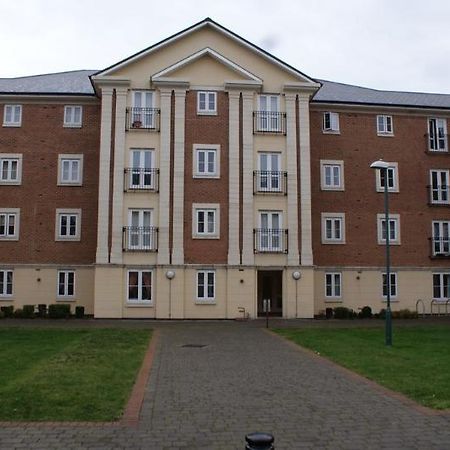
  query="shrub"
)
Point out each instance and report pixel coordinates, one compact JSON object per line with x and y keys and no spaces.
{"x":382,"y":314}
{"x":329,"y":313}
{"x":18,"y":313}
{"x":59,"y":311}
{"x":341,"y":312}
{"x":366,"y":312}
{"x":28,"y":311}
{"x":42,"y":310}
{"x":8,"y":311}
{"x":407,"y":314}
{"x":2,"y":314}
{"x":79,"y":312}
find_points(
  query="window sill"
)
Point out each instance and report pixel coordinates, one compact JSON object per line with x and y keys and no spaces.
{"x":12,"y":125}
{"x":5,"y":298}
{"x":10,"y":183}
{"x":333,"y":300}
{"x":61,"y":183}
{"x":9,"y":238}
{"x":68,"y":239}
{"x":391,"y":191}
{"x":205,"y":302}
{"x":206,"y":176}
{"x":66,"y":299}
{"x":198,"y":236}
{"x":207,"y":113}
{"x":385,"y":134}
{"x":139,"y":304}
{"x":333,"y":242}
{"x":70,"y":125}
{"x":337,"y":189}
{"x":390,"y":243}
{"x":331,"y":132}
{"x":437,"y":152}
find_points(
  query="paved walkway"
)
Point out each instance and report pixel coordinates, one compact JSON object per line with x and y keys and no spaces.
{"x":244,"y":380}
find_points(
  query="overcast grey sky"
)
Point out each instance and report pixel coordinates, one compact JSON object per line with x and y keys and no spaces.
{"x":383,"y":44}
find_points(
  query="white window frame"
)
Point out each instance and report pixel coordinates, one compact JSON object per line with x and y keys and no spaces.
{"x":206,"y":298}
{"x":272,"y":180}
{"x":7,"y":159}
{"x":4,"y":286}
{"x":6,"y":215}
{"x":443,"y":236}
{"x":141,"y":237}
{"x":393,"y":285}
{"x":142,"y":169}
{"x":332,"y":219}
{"x":437,"y":122}
{"x":65,"y":295}
{"x":70,"y":158}
{"x":442,"y":286}
{"x":393,"y":218}
{"x":60,"y":212}
{"x":146,"y":117}
{"x":332,"y":165}
{"x":70,"y":116}
{"x":442,"y":191}
{"x":333,"y":285}
{"x":393,"y":168}
{"x":272,"y":120}
{"x":206,"y":208}
{"x":139,"y":300}
{"x":270,"y":237}
{"x":385,"y":125}
{"x":16,"y":115}
{"x":333,"y":119}
{"x":206,"y":148}
{"x":207,"y":110}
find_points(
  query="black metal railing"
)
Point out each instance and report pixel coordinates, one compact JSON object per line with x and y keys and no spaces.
{"x":142,"y":119}
{"x":439,"y":194}
{"x":269,"y":122}
{"x":269,"y":182}
{"x":141,"y":179}
{"x":437,"y":143}
{"x":270,"y":240}
{"x":440,"y":247}
{"x":140,"y":239}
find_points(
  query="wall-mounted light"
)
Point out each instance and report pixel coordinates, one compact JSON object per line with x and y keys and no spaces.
{"x":296,"y":275}
{"x":170,"y":274}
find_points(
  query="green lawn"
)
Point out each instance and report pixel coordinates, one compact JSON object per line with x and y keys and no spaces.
{"x":61,"y":374}
{"x":417,"y":365}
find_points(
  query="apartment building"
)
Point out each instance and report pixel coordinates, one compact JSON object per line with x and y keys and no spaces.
{"x":202,"y":175}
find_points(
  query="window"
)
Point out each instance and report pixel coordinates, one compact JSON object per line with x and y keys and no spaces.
{"x":10,"y":168}
{"x":207,"y":102}
{"x":439,"y":188}
{"x":270,"y":235}
{"x":9,"y":224}
{"x":12,"y":116}
{"x":332,"y":175}
{"x":441,"y":286}
{"x":143,"y":112}
{"x":384,"y":126}
{"x":392,"y":285}
{"x":70,"y":170}
{"x":73,"y":116}
{"x":206,"y":161}
{"x":333,"y":228}
{"x":333,"y":285}
{"x":6,"y":283}
{"x":205,"y":221}
{"x":437,"y":135}
{"x":441,"y":238}
{"x":269,"y":175}
{"x":140,"y":230}
{"x":206,"y":285}
{"x":142,"y":173}
{"x":68,"y":224}
{"x":394,"y":229}
{"x":66,"y":283}
{"x":139,"y":286}
{"x":330,"y":122}
{"x":269,"y":118}
{"x":392,"y":178}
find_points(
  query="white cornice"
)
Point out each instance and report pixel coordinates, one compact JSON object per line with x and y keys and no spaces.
{"x":243,"y":85}
{"x":168,"y":82}
{"x":49,"y":98}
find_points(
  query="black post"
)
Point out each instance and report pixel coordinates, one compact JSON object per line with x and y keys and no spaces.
{"x":259,"y":441}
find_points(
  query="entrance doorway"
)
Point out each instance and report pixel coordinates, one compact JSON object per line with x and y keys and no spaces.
{"x":270,"y":286}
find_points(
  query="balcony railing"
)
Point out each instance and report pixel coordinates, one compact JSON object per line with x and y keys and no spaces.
{"x":269,"y":122}
{"x":140,"y":239}
{"x":270,"y":240}
{"x":440,"y":247}
{"x":269,"y":182}
{"x":142,"y":119}
{"x":141,"y":179}
{"x":439,"y":195}
{"x":437,"y":143}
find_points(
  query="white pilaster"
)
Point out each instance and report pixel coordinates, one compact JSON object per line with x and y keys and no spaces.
{"x":178,"y":179}
{"x":119,"y":155}
{"x":104,"y":167}
{"x":292,"y":201}
{"x":233,"y":190}
{"x":305,"y":182}
{"x":164,"y":177}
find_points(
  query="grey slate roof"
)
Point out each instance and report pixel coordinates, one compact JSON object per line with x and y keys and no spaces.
{"x":69,"y":83}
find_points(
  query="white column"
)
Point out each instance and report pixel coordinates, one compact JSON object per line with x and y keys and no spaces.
{"x":233,"y":189}
{"x":103,"y":182}
{"x":248,"y":256}
{"x":292,"y":201}
{"x":164,"y":177}
{"x":119,"y":156}
{"x":178,"y":179}
{"x":305,"y":182}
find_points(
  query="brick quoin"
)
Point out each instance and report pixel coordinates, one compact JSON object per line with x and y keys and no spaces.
{"x":206,"y":130}
{"x":358,"y":146}
{"x":40,"y":140}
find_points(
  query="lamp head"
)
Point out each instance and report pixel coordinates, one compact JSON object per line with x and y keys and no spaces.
{"x":380,"y":164}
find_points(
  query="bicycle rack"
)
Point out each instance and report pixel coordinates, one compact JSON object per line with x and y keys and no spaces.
{"x":420,"y":302}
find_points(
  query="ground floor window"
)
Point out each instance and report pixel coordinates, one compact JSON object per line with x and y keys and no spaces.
{"x":66,"y":283}
{"x":6,"y":283}
{"x":206,"y":285}
{"x":139,"y":286}
{"x":333,"y":285}
{"x":393,"y":285}
{"x":441,"y":286}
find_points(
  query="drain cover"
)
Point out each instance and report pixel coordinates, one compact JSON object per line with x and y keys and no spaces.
{"x":193,"y":345}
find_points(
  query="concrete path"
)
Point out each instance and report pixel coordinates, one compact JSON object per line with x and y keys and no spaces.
{"x":212,"y":383}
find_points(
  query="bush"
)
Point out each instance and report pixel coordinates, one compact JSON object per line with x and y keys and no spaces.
{"x":8,"y":311}
{"x":18,"y":313}
{"x":2,"y":314}
{"x":366,"y":312}
{"x":59,"y":311}
{"x":341,"y":312}
{"x":28,"y":311}
{"x":42,"y":310}
{"x":382,"y":314}
{"x":329,"y":313}
{"x":79,"y":312}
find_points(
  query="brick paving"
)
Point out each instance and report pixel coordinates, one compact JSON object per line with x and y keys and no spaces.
{"x":244,"y":380}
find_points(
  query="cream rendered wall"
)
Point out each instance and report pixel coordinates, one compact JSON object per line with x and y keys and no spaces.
{"x":298,"y":295}
{"x":241,"y":289}
{"x":109,"y":288}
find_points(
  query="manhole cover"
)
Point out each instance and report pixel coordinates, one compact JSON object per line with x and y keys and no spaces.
{"x":193,"y":345}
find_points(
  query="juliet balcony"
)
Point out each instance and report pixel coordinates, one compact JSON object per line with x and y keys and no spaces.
{"x":270,"y":240}
{"x":141,"y":179}
{"x":269,"y":122}
{"x":142,"y":119}
{"x":269,"y":182}
{"x":140,"y":239}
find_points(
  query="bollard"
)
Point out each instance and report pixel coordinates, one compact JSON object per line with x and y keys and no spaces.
{"x":259,"y":441}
